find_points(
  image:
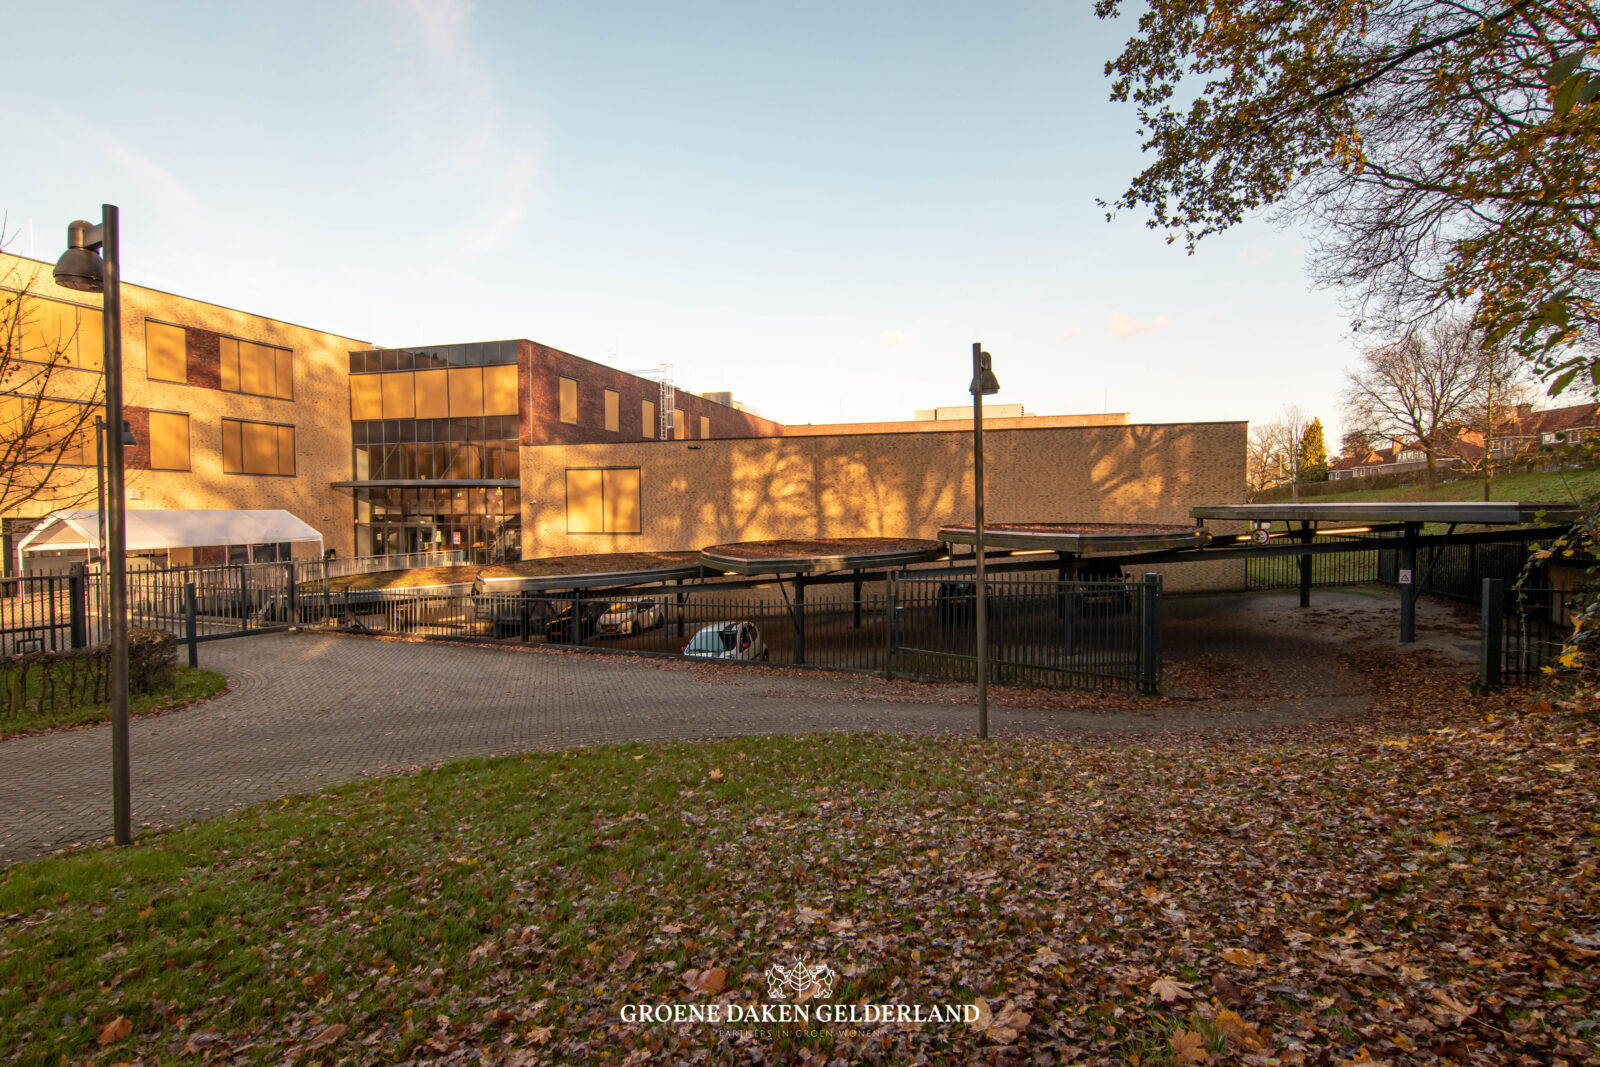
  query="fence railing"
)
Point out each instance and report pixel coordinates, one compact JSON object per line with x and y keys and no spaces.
{"x":1356,"y":567}
{"x":43,"y":613}
{"x":1041,"y":632}
{"x":1458,"y":571}
{"x":1523,"y":631}
{"x":1079,"y":635}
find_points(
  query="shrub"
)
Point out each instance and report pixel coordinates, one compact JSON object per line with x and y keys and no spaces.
{"x":42,"y":682}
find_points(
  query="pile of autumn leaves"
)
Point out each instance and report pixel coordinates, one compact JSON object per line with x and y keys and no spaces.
{"x":1419,"y":887}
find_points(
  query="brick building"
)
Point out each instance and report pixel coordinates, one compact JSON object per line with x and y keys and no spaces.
{"x":505,"y":449}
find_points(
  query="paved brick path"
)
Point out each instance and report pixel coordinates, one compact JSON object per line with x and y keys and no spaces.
{"x":307,"y":711}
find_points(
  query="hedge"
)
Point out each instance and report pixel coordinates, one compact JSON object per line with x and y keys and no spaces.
{"x":43,"y":682}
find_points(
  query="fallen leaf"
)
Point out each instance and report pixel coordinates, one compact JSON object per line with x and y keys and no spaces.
{"x":1241,"y":1035}
{"x":115,"y":1030}
{"x":1170,"y":989}
{"x":1189,"y":1047}
{"x":328,"y":1036}
{"x":1242,"y":957}
{"x":711,"y":980}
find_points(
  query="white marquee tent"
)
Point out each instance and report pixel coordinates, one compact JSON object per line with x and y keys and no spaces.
{"x":79,"y":529}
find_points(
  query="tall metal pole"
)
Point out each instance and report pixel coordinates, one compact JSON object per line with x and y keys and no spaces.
{"x":100,"y":521}
{"x":117,"y":528}
{"x":982,"y":599}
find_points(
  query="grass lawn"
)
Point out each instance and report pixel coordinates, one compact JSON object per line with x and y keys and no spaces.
{"x":1422,"y":891}
{"x":191,"y":685}
{"x":1564,"y":487}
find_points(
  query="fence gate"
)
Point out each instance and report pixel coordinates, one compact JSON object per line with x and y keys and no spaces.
{"x":1082,"y":635}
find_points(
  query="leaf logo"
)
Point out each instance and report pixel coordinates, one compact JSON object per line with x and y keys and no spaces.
{"x":800,"y":981}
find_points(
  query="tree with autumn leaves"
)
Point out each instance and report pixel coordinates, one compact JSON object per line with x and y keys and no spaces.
{"x":1442,"y":155}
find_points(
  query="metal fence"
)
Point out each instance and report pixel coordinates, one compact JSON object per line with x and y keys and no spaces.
{"x":42,"y":613}
{"x":1523,"y":631}
{"x":1090,"y":635}
{"x":1356,"y":567}
{"x":1080,"y":635}
{"x":1458,"y":571}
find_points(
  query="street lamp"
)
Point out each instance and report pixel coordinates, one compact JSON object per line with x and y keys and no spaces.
{"x":100,"y":493}
{"x":983,"y":384}
{"x":81,"y":268}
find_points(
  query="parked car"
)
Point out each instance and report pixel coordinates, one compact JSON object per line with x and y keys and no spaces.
{"x":1105,"y":599}
{"x":626,"y":617}
{"x":727,"y":640}
{"x":559,"y":629}
{"x":511,"y":616}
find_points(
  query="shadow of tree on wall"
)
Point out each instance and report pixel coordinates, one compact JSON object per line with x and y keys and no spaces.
{"x":891,"y":485}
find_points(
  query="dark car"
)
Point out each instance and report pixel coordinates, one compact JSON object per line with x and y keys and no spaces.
{"x":559,"y":628}
{"x":957,"y":602}
{"x":1100,"y":596}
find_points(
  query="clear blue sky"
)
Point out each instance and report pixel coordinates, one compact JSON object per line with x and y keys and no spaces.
{"x":817,"y":205}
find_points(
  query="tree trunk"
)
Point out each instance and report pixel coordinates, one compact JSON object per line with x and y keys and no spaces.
{"x":1433,"y":474}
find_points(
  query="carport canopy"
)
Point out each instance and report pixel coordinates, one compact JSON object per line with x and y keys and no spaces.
{"x":79,"y":528}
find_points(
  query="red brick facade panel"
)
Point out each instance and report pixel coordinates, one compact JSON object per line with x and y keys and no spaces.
{"x":205,"y":358}
{"x":137,"y":457}
{"x":540,"y":368}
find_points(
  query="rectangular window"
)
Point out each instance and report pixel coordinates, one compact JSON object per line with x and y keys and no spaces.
{"x":48,"y":431}
{"x":52,"y":331}
{"x":585,"y":509}
{"x":366,"y":397}
{"x":260,"y":370}
{"x":603,"y":501}
{"x":257,"y":448}
{"x":569,"y":399}
{"x":613,"y":412}
{"x":680,"y":425}
{"x":166,"y":358}
{"x":705,"y":427}
{"x":466,"y":392}
{"x":399,"y":401}
{"x":647,"y":420}
{"x":433,"y":394}
{"x":169,"y":441}
{"x":500,"y":389}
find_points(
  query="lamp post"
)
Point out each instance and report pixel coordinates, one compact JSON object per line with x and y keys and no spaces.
{"x":983,"y":384}
{"x":100,"y":492}
{"x":82,"y":269}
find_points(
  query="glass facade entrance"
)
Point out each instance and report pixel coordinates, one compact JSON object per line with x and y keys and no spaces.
{"x":445,"y":418}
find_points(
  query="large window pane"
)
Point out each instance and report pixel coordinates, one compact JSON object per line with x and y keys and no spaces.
{"x":705,"y":427}
{"x":585,"y":508}
{"x":260,"y":448}
{"x":255,"y":369}
{"x":91,"y":340}
{"x":647,"y":420}
{"x":229,"y":348}
{"x":366,"y":396}
{"x":622,"y":500}
{"x":165,"y":358}
{"x":500,"y":389}
{"x":569,"y":399}
{"x":232,"y":447}
{"x":286,"y":450}
{"x":433,"y":394}
{"x":613,"y":410}
{"x":169,"y":441}
{"x":466,"y":392}
{"x":284,"y":373}
{"x":398,"y":398}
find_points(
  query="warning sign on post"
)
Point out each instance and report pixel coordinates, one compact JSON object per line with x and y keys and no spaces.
{"x":1405,"y":576}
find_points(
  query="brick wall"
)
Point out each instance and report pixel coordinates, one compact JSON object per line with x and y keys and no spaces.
{"x":539,"y":368}
{"x":695,"y":494}
{"x":319,"y":412}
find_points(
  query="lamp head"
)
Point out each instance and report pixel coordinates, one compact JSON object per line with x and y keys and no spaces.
{"x":79,"y":267}
{"x":984,"y":383}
